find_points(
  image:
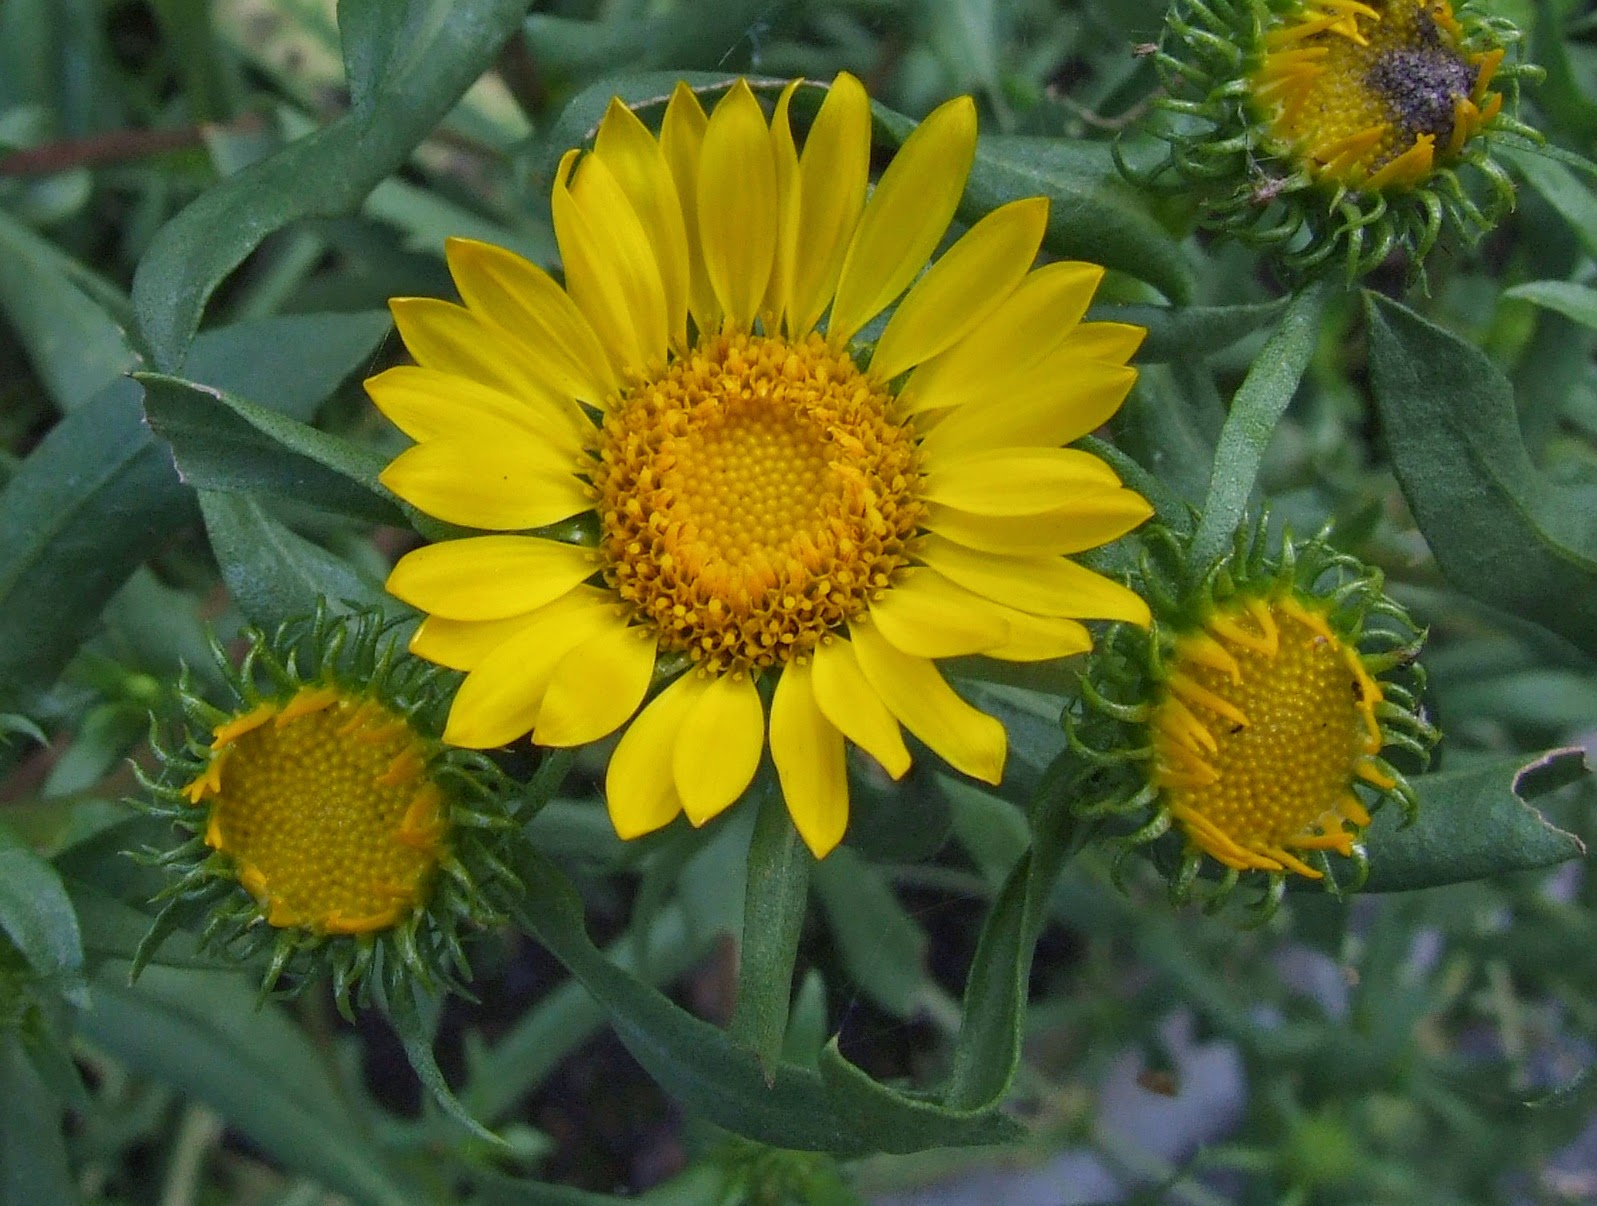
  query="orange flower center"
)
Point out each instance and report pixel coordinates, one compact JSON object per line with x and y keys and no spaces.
{"x":324,"y":805}
{"x":1267,"y":720}
{"x":754,"y":496}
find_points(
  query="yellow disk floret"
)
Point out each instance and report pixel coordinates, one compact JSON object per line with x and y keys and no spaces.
{"x":1374,"y":95}
{"x":754,"y":497}
{"x":324,"y":804}
{"x":1268,"y":718}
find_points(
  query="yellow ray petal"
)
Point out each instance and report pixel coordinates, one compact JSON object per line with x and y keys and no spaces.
{"x":967,"y":284}
{"x":737,"y":207}
{"x":1090,"y":519}
{"x":500,"y":699}
{"x":427,"y":404}
{"x":784,"y":156}
{"x":463,"y":644}
{"x":489,"y":577}
{"x":1114,"y":342}
{"x":905,"y":218}
{"x":718,"y":747}
{"x":1044,"y":586}
{"x":508,"y":486}
{"x":808,"y":752}
{"x":451,"y":339}
{"x":1017,"y":481}
{"x":1046,"y":413}
{"x":1039,"y":638}
{"x":521,"y":298}
{"x":611,"y":271}
{"x":1017,"y":336}
{"x":639,"y":789}
{"x":853,"y":707}
{"x":635,"y":159}
{"x":682,"y":141}
{"x":833,"y":172}
{"x":923,"y":614}
{"x":967,"y":739}
{"x":597,"y":686}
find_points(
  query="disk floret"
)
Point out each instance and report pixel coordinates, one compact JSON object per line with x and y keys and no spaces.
{"x":1334,"y":130}
{"x":1256,"y":716}
{"x":328,"y":829}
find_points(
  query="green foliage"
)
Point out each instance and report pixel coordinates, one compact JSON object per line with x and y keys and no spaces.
{"x":201,"y":219}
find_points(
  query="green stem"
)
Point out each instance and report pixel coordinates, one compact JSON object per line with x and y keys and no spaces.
{"x":775,"y":902}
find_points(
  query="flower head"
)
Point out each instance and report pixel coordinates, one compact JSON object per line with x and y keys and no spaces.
{"x":757,"y":508}
{"x":1261,"y":713}
{"x":1333,"y":128}
{"x":326,"y":820}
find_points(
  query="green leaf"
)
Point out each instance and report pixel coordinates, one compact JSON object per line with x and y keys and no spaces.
{"x":415,"y":1021}
{"x":90,"y":503}
{"x":1191,"y":332}
{"x":1558,"y":186}
{"x":883,"y":949}
{"x":113,"y":929}
{"x":98,"y":494}
{"x":33,"y":1156}
{"x":1576,"y":302}
{"x":1474,"y":822}
{"x":36,"y":914}
{"x":274,"y":574}
{"x":290,"y":362}
{"x":1259,"y":403}
{"x":201,"y":1033}
{"x":693,"y":36}
{"x":1501,"y":531}
{"x":775,"y":903}
{"x":76,"y":347}
{"x":402,"y":94}
{"x":223,"y":442}
{"x":1560,"y":94}
{"x":700,"y":1065}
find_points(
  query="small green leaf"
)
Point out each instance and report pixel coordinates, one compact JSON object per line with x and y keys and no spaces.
{"x":404,"y":91}
{"x":1558,"y":186}
{"x":883,"y":949}
{"x":415,"y":1021}
{"x":1191,"y":332}
{"x":1502,"y":531}
{"x":1577,"y":302}
{"x":274,"y":574}
{"x":222,"y":442}
{"x":775,"y":903}
{"x":75,"y":346}
{"x":201,"y":1033}
{"x":1473,"y":822}
{"x":1259,"y":403}
{"x":36,"y":914}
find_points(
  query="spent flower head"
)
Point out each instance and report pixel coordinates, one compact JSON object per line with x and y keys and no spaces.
{"x":1256,"y":714}
{"x":327,"y":826}
{"x":768,"y":518}
{"x":1333,"y":131}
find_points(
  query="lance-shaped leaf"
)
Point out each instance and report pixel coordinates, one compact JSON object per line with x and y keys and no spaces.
{"x":1502,"y":531}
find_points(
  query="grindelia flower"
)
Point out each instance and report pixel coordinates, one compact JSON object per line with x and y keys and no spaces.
{"x":1261,"y":713}
{"x":772,"y":513}
{"x":1333,"y":128}
{"x":322,"y":805}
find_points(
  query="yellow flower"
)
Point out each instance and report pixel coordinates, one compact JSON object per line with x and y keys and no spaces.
{"x":1267,"y":721}
{"x":1256,"y":716}
{"x":1373,"y":96}
{"x":323,"y":803}
{"x":328,"y":828}
{"x":769,"y":501}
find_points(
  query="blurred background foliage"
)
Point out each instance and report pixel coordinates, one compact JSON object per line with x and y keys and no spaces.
{"x":1433,"y":1045}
